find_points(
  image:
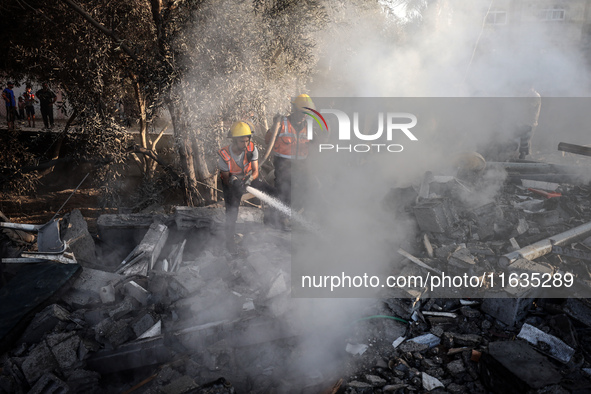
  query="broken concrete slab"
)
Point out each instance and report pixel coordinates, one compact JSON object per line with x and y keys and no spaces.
{"x":486,"y":216}
{"x":546,"y":343}
{"x":545,"y":218}
{"x":44,"y":322}
{"x":149,"y":249}
{"x":279,"y":285}
{"x":578,"y":309}
{"x":186,"y":282}
{"x":142,"y":323}
{"x":75,"y":233}
{"x":508,"y":310}
{"x":108,"y":294}
{"x":515,"y":367}
{"x":39,"y":361}
{"x":113,"y":332}
{"x":64,"y":347}
{"x":462,"y":258}
{"x":435,"y":215}
{"x":153,"y":331}
{"x":137,"y":292}
{"x":124,"y":308}
{"x":430,"y":383}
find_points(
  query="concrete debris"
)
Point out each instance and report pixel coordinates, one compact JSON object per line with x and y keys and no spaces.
{"x":65,"y":349}
{"x":43,"y":322}
{"x":515,"y":367}
{"x":108,"y":294}
{"x":508,"y":310}
{"x":39,"y":361}
{"x":435,"y":215}
{"x":75,"y":234}
{"x":153,"y":331}
{"x":430,"y":383}
{"x":356,"y":349}
{"x":49,"y":384}
{"x":546,"y":343}
{"x":143,"y":323}
{"x":398,"y":341}
{"x":427,"y":339}
{"x":177,"y":314}
{"x":137,"y":292}
{"x":279,"y":285}
{"x":149,"y":249}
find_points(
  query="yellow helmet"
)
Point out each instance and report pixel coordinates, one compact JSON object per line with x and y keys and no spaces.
{"x":240,"y":129}
{"x":303,"y":101}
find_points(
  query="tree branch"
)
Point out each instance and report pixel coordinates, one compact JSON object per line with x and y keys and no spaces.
{"x":99,"y":26}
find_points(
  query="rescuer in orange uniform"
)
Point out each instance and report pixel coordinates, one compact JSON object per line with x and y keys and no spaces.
{"x":238,"y":164}
{"x":290,"y":149}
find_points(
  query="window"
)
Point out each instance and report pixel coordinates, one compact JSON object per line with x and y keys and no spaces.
{"x":496,"y":18}
{"x":552,"y":15}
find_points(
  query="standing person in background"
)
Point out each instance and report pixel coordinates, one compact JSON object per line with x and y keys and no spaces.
{"x":9,"y":100}
{"x":46,"y":98}
{"x":29,"y":105}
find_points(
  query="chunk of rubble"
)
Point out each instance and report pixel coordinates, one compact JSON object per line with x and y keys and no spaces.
{"x":279,"y":285}
{"x":546,"y":343}
{"x":39,"y":361}
{"x":515,"y":367}
{"x":143,"y":323}
{"x":64,"y":347}
{"x":435,"y":215}
{"x":147,"y":252}
{"x":509,"y":310}
{"x":462,"y":258}
{"x":137,"y":292}
{"x":49,"y":384}
{"x":356,"y":349}
{"x":153,"y":331}
{"x":44,"y":322}
{"x":430,"y":382}
{"x":80,"y":242}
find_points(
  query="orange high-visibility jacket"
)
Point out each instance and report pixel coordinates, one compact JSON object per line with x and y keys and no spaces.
{"x":290,"y":144}
{"x":232,"y":165}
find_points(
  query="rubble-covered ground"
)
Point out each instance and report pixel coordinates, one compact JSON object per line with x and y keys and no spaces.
{"x":157,"y":305}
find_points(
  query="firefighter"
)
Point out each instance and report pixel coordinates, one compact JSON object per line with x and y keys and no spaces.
{"x":239,"y":168}
{"x":290,"y":151}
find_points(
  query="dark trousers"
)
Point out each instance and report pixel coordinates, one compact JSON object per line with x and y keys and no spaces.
{"x":290,"y":173}
{"x":232,"y":196}
{"x":47,"y":114}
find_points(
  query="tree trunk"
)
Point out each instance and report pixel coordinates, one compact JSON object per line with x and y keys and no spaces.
{"x":185,"y":148}
{"x":203,"y":173}
{"x":141,"y":103}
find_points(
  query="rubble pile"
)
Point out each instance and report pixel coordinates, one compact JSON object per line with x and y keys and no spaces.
{"x":174,"y":315}
{"x":158,"y":306}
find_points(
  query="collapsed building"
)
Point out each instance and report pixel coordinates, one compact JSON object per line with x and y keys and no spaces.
{"x":152,"y":303}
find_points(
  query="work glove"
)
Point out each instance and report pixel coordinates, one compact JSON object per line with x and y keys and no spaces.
{"x":237,"y":184}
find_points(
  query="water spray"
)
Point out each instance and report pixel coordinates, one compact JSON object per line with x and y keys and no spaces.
{"x":281,"y":207}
